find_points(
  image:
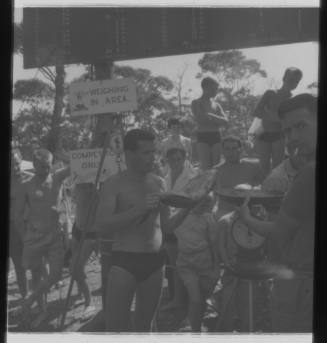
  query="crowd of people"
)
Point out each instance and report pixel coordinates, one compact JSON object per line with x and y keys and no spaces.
{"x":152,"y":240}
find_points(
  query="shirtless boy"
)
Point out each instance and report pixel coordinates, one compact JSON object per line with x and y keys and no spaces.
{"x":209,"y":117}
{"x":129,"y":208}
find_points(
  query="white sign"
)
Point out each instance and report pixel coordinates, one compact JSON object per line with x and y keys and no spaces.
{"x":84,"y":165}
{"x":104,"y":96}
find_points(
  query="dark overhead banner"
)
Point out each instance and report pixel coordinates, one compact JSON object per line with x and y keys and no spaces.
{"x":86,"y":35}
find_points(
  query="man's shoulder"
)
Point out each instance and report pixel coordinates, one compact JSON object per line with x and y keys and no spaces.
{"x":308,"y":172}
{"x":196,"y":102}
{"x":269,"y":93}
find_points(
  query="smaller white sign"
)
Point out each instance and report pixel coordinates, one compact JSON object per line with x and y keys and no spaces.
{"x":84,"y":165}
{"x":104,"y":96}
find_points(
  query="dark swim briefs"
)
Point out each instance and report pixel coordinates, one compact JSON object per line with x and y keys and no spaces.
{"x":271,"y":137}
{"x":210,"y":137}
{"x":140,"y":264}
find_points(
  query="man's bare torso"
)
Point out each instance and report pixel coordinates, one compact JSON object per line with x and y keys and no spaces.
{"x":144,"y":235}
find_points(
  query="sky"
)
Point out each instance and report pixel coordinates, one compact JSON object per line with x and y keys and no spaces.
{"x":274,"y":60}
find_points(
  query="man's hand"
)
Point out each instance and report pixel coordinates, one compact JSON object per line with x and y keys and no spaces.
{"x":244,"y":211}
{"x":150,"y":203}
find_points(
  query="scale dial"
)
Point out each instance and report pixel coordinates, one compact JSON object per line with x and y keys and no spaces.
{"x":244,"y":237}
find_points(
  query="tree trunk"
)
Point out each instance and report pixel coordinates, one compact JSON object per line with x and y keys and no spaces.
{"x":54,"y":133}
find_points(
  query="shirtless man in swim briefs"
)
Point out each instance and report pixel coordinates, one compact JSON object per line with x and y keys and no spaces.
{"x":129,"y":208}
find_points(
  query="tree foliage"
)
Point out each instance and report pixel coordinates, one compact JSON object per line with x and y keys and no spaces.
{"x":154,"y":100}
{"x":231,"y":67}
{"x":18,"y":38}
{"x":27,"y":90}
{"x":153,"y":96}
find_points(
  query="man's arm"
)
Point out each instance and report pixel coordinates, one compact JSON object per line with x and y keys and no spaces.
{"x":280,"y":229}
{"x":62,"y":174}
{"x":213,"y":234}
{"x":175,"y":220}
{"x":106,"y":220}
{"x":201,"y":115}
{"x":220,"y":118}
{"x":19,"y":211}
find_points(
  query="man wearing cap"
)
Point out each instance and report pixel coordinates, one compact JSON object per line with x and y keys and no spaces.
{"x":294,"y":227}
{"x":39,"y":198}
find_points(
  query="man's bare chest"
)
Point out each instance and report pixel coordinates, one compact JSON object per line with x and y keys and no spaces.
{"x":131,"y":195}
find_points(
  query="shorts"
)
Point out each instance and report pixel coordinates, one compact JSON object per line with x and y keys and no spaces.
{"x":271,"y":137}
{"x":77,"y":233}
{"x":53,"y":252}
{"x":198,"y":268}
{"x":210,"y":137}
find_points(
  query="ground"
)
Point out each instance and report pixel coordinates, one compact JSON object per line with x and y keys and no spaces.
{"x":166,"y":322}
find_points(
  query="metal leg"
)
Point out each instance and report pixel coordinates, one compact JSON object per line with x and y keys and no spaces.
{"x":250,"y":306}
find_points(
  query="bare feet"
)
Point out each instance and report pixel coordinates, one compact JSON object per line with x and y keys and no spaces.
{"x":88,"y":312}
